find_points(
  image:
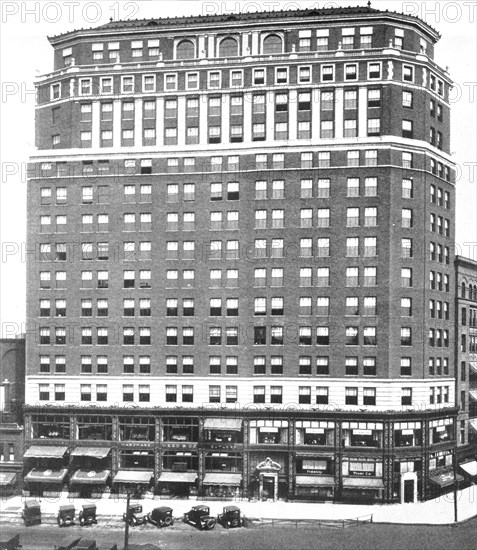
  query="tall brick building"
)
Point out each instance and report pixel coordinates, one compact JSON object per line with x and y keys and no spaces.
{"x":241,"y":271}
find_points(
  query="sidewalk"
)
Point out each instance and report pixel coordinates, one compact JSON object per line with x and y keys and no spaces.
{"x":437,"y":511}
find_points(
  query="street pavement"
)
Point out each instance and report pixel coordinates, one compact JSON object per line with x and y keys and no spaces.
{"x":435,"y":512}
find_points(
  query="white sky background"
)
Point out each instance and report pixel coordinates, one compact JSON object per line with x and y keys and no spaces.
{"x":25,"y":53}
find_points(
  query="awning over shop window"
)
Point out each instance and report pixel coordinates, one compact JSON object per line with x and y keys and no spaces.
{"x":85,"y":477}
{"x":446,"y":479}
{"x":470,"y":467}
{"x":7,"y":478}
{"x":314,"y":481}
{"x":178,"y":477}
{"x":222,"y":479}
{"x":363,"y":483}
{"x":133,"y":476}
{"x":473,"y":394}
{"x":46,"y":476}
{"x":473,"y":423}
{"x":223,"y":424}
{"x":473,"y":365}
{"x":42,"y":451}
{"x":95,"y":452}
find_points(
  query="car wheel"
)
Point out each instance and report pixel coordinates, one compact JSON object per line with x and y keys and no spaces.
{"x":210,"y":524}
{"x":167,"y":521}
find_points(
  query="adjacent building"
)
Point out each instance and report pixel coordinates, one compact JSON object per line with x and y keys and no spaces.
{"x":241,"y":270}
{"x":12,"y":395}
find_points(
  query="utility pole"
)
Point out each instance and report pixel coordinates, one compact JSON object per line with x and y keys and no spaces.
{"x":454,"y":464}
{"x":126,"y":527}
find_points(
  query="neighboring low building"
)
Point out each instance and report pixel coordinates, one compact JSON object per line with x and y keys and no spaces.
{"x":12,"y":392}
{"x":466,"y":362}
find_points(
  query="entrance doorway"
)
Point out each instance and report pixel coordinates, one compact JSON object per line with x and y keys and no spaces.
{"x":409,"y":490}
{"x":269,"y":486}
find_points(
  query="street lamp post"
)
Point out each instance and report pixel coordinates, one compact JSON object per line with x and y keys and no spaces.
{"x":126,"y":527}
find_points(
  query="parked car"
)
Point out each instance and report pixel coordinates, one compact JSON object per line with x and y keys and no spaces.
{"x":12,"y":544}
{"x":87,"y":516}
{"x":31,"y":513}
{"x":200,"y":517}
{"x":161,"y":517}
{"x":134,"y":515}
{"x":231,"y":517}
{"x":66,"y":516}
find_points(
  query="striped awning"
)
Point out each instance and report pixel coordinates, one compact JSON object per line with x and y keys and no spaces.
{"x":363,"y":482}
{"x":85,"y":477}
{"x":314,"y":481}
{"x":223,"y":424}
{"x":178,"y":477}
{"x":223,"y":479}
{"x":95,"y":452}
{"x":133,"y":476}
{"x":43,"y":451}
{"x":46,"y":476}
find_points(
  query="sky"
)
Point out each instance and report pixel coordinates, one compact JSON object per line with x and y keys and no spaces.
{"x":25,"y":54}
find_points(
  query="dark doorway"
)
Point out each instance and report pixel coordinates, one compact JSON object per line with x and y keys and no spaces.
{"x":269,"y":487}
{"x":409,"y":490}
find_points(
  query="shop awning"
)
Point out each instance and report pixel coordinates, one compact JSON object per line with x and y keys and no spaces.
{"x":95,"y":452}
{"x":314,"y":481}
{"x":446,"y":479}
{"x":223,"y":424}
{"x":7,"y":478}
{"x":363,"y":483}
{"x":42,"y":451}
{"x":473,"y":423}
{"x":84,"y":477}
{"x":473,"y":365}
{"x":46,"y":476}
{"x":222,"y":479}
{"x":473,"y":394}
{"x":178,"y":477}
{"x":133,"y":476}
{"x":470,"y":467}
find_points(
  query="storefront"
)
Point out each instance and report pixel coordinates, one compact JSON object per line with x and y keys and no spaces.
{"x":135,"y":482}
{"x":47,"y":470}
{"x":314,"y":478}
{"x":223,"y":430}
{"x":182,"y":484}
{"x":224,"y":485}
{"x":91,"y":467}
{"x":362,"y":480}
{"x":8,"y":481}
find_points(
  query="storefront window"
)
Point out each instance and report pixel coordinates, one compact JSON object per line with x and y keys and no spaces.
{"x":181,"y":429}
{"x":50,"y":427}
{"x":441,"y":430}
{"x":362,"y":468}
{"x":440,"y":459}
{"x":220,"y":436}
{"x":136,"y":428}
{"x":95,"y":428}
{"x":407,"y":434}
{"x":269,"y":432}
{"x":223,"y":462}
{"x":137,"y":459}
{"x":362,"y":434}
{"x":310,"y":432}
{"x":180,"y":461}
{"x":320,"y":466}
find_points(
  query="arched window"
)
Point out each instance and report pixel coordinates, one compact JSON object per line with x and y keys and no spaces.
{"x":272,"y":44}
{"x":185,"y":50}
{"x":228,"y":48}
{"x":463,"y":290}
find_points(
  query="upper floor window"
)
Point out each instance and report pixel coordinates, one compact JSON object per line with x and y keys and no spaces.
{"x":185,"y":50}
{"x":228,"y":47}
{"x":272,"y":44}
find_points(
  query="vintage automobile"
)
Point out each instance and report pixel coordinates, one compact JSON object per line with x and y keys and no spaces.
{"x":134,"y":515}
{"x":231,"y":517}
{"x":11,"y":544}
{"x":66,"y":516}
{"x":87,"y":516}
{"x":200,"y":517}
{"x":161,"y":517}
{"x":31,"y":513}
